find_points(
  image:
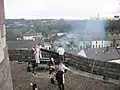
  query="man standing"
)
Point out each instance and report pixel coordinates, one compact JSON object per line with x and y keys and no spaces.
{"x":60,"y":75}
{"x":40,"y":47}
{"x":37,"y":53}
{"x":61,"y":52}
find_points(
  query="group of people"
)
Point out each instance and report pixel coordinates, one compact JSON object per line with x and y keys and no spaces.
{"x":59,"y":75}
{"x":61,"y":69}
{"x":36,"y":55}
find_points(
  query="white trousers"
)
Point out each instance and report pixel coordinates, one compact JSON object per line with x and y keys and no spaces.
{"x":63,"y":79}
{"x":40,"y":55}
{"x":37,"y":59}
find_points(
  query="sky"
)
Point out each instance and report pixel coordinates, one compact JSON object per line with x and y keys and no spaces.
{"x":67,"y":9}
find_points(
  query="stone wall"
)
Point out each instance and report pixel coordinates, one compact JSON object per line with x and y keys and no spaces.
{"x":100,"y":67}
{"x":25,"y":55}
{"x":81,"y":63}
{"x":5,"y":74}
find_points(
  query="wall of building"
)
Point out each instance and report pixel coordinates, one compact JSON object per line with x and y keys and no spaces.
{"x":94,"y":44}
{"x":85,"y":44}
{"x":100,"y":44}
{"x":5,"y":74}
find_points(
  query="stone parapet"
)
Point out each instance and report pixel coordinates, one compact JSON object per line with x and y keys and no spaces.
{"x":81,"y":63}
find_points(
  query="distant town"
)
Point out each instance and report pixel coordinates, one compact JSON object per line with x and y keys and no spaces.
{"x":75,"y":35}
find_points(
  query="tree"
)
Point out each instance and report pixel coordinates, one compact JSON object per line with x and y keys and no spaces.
{"x":113,"y":25}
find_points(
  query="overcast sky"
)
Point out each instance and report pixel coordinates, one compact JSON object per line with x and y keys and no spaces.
{"x":69,"y":9}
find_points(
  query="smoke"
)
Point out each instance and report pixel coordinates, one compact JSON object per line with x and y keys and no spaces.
{"x":87,"y":30}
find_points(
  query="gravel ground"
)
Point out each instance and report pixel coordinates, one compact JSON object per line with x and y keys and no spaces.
{"x":22,"y":79}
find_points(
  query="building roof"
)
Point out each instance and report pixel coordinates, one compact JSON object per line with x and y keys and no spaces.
{"x":102,"y":53}
{"x":34,"y":34}
{"x":22,"y":44}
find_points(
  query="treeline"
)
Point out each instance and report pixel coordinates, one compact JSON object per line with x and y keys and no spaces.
{"x":45,"y":26}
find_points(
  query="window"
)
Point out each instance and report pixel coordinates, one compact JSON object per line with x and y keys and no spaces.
{"x":80,"y":47}
{"x":93,"y":46}
{"x":102,"y":41}
{"x":96,"y":42}
{"x":96,"y":46}
{"x":87,"y":46}
{"x":99,"y":46}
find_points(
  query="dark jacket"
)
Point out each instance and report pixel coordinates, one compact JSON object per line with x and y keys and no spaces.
{"x":59,"y":77}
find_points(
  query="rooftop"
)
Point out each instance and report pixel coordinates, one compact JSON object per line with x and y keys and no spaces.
{"x":102,"y":53}
{"x":22,"y":79}
{"x":34,"y":34}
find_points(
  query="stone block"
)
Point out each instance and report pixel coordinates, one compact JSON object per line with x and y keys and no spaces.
{"x":90,"y":65}
{"x":91,"y":61}
{"x":98,"y":67}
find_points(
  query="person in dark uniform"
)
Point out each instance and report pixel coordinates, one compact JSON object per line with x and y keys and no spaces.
{"x":59,"y":78}
{"x":60,"y":75}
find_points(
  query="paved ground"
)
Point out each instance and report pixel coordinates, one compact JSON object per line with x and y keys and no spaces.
{"x":22,"y":80}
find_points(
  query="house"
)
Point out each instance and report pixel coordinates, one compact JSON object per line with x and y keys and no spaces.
{"x":101,"y":43}
{"x":85,"y":44}
{"x":109,"y":54}
{"x":60,"y":34}
{"x":32,"y":35}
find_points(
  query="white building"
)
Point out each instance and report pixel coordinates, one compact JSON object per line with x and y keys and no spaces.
{"x":101,"y":43}
{"x":32,"y":36}
{"x":94,"y":44}
{"x":85,"y":44}
{"x":60,"y":34}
